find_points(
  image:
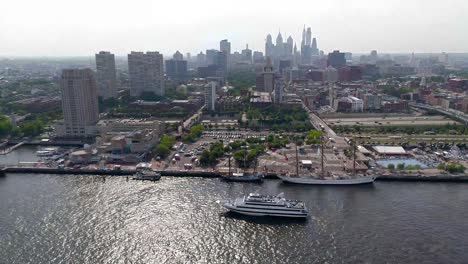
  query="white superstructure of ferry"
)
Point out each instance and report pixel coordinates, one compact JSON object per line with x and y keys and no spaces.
{"x":264,"y":205}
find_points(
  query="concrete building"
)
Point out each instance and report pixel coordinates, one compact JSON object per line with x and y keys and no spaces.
{"x":372,"y":102}
{"x":265,"y":80}
{"x":336,"y":59}
{"x":130,"y":125}
{"x":176,"y":69}
{"x":79,"y":103}
{"x":146,"y":72}
{"x":330,"y":74}
{"x":105,"y":75}
{"x":225,"y":47}
{"x":356,"y":104}
{"x":210,"y":96}
{"x":279,"y":91}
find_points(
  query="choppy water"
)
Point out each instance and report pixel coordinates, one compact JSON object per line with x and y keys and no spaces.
{"x":84,"y":219}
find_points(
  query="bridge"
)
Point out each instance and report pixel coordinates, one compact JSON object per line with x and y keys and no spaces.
{"x":458,"y":115}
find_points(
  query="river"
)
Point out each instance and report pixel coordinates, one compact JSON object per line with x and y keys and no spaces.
{"x":91,"y":219}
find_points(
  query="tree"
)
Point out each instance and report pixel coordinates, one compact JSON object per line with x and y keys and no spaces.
{"x":391,"y":166}
{"x":31,"y":128}
{"x":161,"y":151}
{"x":401,"y":166}
{"x":5,"y":126}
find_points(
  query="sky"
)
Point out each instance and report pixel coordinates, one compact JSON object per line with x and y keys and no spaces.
{"x":84,"y":27}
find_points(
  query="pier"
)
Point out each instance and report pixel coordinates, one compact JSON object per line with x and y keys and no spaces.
{"x":212,"y":174}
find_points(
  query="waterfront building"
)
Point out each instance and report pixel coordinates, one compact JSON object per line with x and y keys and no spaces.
{"x":105,"y":75}
{"x":79,"y":103}
{"x":210,"y":96}
{"x":146,"y":72}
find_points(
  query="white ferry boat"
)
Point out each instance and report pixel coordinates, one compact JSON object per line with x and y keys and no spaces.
{"x":264,"y":205}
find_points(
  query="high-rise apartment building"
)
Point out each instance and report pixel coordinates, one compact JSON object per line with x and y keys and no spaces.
{"x":105,"y":75}
{"x":79,"y":103}
{"x":210,"y":96}
{"x":146,"y":72}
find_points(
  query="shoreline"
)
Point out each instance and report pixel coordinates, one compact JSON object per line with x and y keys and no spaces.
{"x":462,"y":178}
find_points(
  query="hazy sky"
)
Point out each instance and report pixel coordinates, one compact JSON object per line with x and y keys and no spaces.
{"x":61,"y":27}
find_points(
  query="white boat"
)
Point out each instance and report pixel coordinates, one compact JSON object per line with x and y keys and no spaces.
{"x":317,"y":181}
{"x":46,"y":152}
{"x":147,"y":175}
{"x":264,"y":205}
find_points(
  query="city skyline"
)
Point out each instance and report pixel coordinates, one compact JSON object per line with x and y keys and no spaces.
{"x":47,"y":29}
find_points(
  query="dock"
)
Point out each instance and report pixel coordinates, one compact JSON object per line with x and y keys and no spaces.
{"x":212,"y":174}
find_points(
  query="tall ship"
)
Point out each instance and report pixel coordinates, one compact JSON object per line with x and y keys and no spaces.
{"x":264,"y":205}
{"x":243,"y":176}
{"x":330,"y":179}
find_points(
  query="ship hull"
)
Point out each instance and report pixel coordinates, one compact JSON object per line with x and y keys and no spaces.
{"x":312,"y":181}
{"x":246,"y":178}
{"x":264,"y":212}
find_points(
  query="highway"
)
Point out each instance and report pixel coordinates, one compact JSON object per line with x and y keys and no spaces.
{"x":449,"y":112}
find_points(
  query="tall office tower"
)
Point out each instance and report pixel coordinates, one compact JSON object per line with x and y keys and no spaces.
{"x":257,"y":57}
{"x":279,"y":48}
{"x":308,"y":37}
{"x":221,"y":60}
{"x":336,"y":59}
{"x":210,"y":96}
{"x":265,"y":80}
{"x":247,"y":54}
{"x":278,"y":95}
{"x":105,"y":75}
{"x":211,"y":56}
{"x":178,"y":56}
{"x":289,"y":47}
{"x":188,"y":56}
{"x":146,"y":72}
{"x":269,"y":46}
{"x":201,"y":59}
{"x":176,"y":69}
{"x":296,"y":56}
{"x":315,"y":50}
{"x":225,"y":46}
{"x":79,"y":103}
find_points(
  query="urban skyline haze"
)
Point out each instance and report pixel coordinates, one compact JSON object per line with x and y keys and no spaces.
{"x":53,"y":28}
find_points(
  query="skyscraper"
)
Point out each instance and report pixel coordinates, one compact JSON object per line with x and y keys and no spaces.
{"x":210,"y":96}
{"x":225,"y":47}
{"x":269,"y":46}
{"x":146,"y":72}
{"x":265,"y":80}
{"x":105,"y":75}
{"x":336,"y":59}
{"x":176,"y":69}
{"x":279,"y":47}
{"x":247,"y":54}
{"x":211,"y":56}
{"x":289,"y":47}
{"x":178,"y":56}
{"x":79,"y":103}
{"x":278,"y":95}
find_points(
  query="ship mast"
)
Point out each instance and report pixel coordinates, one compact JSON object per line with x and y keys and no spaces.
{"x":321,"y":157}
{"x":354,"y":157}
{"x":297,"y":162}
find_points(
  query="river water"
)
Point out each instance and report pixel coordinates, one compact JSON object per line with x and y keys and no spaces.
{"x":89,"y":219}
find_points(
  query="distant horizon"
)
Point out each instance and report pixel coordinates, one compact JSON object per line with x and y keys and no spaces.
{"x":55,"y":28}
